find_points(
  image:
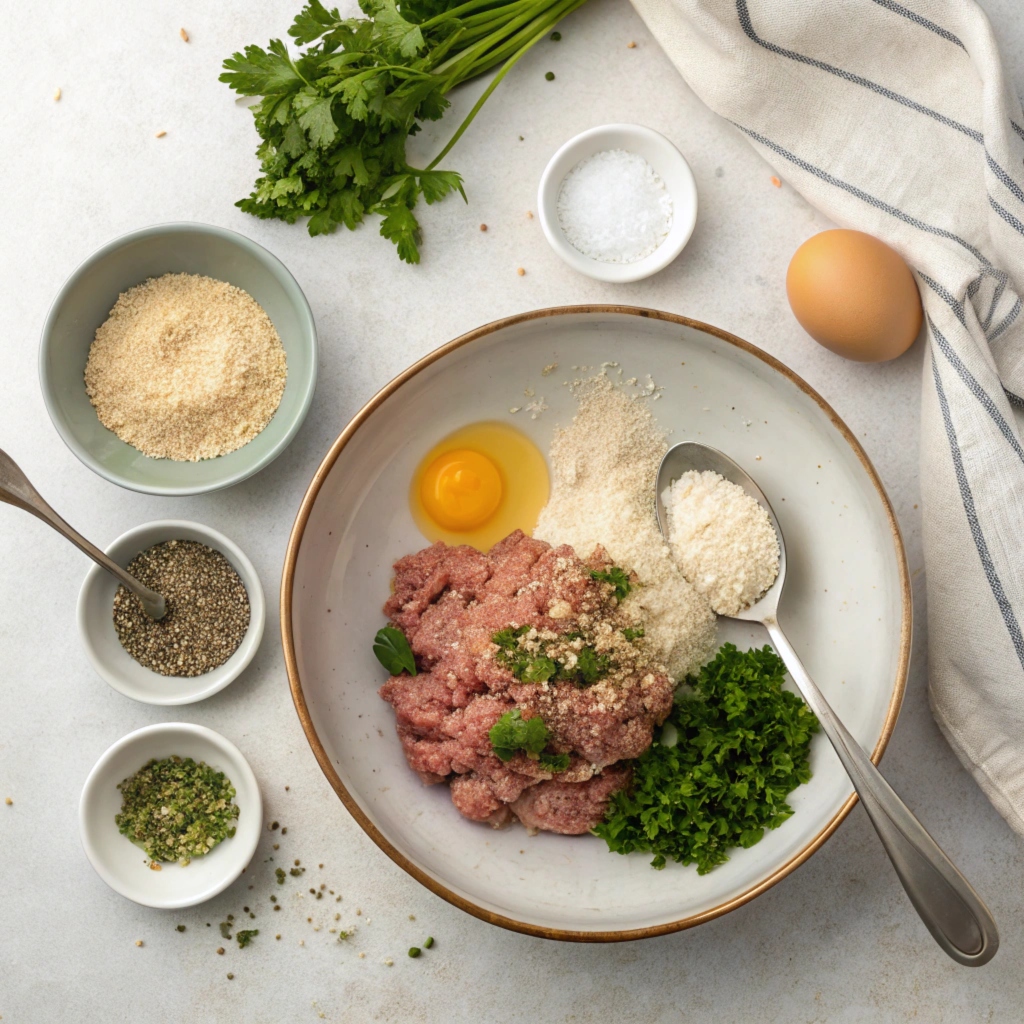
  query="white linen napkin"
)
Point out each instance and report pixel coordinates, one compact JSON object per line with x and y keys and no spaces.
{"x":897,"y":119}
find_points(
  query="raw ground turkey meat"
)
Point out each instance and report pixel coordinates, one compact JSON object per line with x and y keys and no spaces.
{"x":449,"y":602}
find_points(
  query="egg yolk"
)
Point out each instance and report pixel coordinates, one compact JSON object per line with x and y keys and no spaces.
{"x":461,"y":489}
{"x":478,"y":484}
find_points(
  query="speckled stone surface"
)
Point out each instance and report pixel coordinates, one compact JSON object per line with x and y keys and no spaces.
{"x":835,"y":941}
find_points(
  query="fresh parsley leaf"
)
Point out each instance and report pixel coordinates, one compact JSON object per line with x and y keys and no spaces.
{"x":744,"y":746}
{"x":554,"y":762}
{"x":256,"y":71}
{"x":538,"y":670}
{"x":512,"y":733}
{"x":245,"y":937}
{"x":631,"y":633}
{"x":335,"y":117}
{"x":615,"y":576}
{"x":393,"y":651}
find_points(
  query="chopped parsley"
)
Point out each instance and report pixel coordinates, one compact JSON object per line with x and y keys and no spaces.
{"x":632,"y":634}
{"x":512,"y":733}
{"x":177,"y":809}
{"x":245,"y":937}
{"x":539,"y":667}
{"x":393,"y":651}
{"x":744,"y":746}
{"x":616,"y":577}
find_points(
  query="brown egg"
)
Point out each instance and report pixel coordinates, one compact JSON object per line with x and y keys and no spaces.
{"x":854,"y":295}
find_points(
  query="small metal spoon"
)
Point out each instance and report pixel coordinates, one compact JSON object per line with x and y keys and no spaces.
{"x":952,"y":911}
{"x":16,"y":490}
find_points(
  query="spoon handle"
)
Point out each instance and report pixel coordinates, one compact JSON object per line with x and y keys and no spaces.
{"x":952,"y":911}
{"x":15,"y":489}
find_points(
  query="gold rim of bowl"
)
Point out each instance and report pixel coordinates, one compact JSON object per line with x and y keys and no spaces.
{"x":295,"y":683}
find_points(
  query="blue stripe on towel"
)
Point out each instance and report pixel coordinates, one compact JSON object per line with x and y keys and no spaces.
{"x":1009,"y":619}
{"x":920,"y":20}
{"x":1006,"y":321}
{"x":977,"y":390}
{"x":862,"y":195}
{"x":849,"y":76}
{"x":743,"y":14}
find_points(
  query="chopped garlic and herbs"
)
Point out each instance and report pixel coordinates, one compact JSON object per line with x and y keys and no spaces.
{"x":177,"y":809}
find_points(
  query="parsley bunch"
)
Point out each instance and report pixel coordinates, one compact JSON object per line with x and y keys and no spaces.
{"x":334,"y":119}
{"x":744,"y":746}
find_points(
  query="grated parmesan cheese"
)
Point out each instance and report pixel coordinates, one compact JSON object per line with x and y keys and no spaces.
{"x":604,"y":465}
{"x":722,"y":539}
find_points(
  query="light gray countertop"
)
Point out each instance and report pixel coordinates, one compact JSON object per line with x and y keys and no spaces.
{"x":835,"y":941}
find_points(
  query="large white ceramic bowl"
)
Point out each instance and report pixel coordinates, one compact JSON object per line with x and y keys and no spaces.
{"x":115,"y":665}
{"x":846,"y":606}
{"x":125,"y":866}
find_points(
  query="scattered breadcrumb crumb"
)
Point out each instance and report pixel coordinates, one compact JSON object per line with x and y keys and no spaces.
{"x":57,"y":94}
{"x":514,"y":409}
{"x":529,"y":214}
{"x":520,"y":271}
{"x":138,"y":942}
{"x":183,"y":34}
{"x":160,"y":134}
{"x":154,"y":866}
{"x":631,"y":46}
{"x":776,"y":182}
{"x":549,"y":369}
{"x":483,"y":227}
{"x":8,"y":801}
{"x":388,"y":962}
{"x":362,"y":956}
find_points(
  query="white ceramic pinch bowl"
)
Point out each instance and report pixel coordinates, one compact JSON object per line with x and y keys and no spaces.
{"x":668,"y":163}
{"x":125,"y":866}
{"x":116,"y":665}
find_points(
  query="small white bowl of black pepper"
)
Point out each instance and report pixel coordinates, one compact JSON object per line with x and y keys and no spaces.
{"x":213,"y":626}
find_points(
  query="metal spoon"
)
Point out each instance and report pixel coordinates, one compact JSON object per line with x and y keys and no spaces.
{"x":16,"y":490}
{"x":952,"y":911}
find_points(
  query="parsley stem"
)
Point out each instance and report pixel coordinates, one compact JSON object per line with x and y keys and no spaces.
{"x":551,"y":17}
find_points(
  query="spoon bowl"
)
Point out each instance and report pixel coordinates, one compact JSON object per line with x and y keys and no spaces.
{"x":690,"y":456}
{"x":951,"y":910}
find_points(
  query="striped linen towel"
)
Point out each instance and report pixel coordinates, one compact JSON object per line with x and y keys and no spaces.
{"x":897,"y":119}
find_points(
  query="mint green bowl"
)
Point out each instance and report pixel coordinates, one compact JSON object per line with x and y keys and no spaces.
{"x":85,"y":301}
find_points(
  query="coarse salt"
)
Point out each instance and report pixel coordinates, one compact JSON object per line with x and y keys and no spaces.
{"x":614,"y":208}
{"x":722,"y":539}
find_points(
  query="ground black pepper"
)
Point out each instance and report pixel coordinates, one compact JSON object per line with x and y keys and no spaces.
{"x":207,"y":609}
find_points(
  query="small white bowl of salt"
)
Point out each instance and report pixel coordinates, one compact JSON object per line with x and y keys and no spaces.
{"x":618,"y":202}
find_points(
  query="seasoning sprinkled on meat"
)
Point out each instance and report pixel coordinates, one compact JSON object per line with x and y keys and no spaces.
{"x":533,"y":630}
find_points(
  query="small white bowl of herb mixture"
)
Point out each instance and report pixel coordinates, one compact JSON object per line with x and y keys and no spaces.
{"x":214,"y":621}
{"x":170,"y":815}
